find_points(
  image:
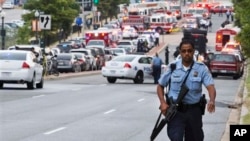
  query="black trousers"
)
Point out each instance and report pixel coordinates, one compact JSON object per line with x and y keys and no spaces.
{"x":156,"y":73}
{"x":186,"y":125}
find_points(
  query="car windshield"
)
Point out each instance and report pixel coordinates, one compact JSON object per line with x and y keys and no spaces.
{"x":124,"y":43}
{"x":224,"y":58}
{"x":84,"y":52}
{"x":12,"y":56}
{"x":124,"y":58}
{"x":175,"y":7}
{"x":118,"y":51}
{"x":95,"y":43}
{"x":63,"y":57}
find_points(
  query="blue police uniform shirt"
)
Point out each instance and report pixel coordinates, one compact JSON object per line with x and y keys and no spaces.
{"x":157,"y":61}
{"x":199,"y":75}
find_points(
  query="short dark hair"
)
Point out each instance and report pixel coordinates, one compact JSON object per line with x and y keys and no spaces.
{"x":186,"y":41}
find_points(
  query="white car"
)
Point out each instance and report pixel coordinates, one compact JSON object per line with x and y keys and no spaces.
{"x":8,"y":5}
{"x":118,"y":51}
{"x":20,"y":67}
{"x":38,"y":49}
{"x":127,"y":43}
{"x":129,"y":32}
{"x":134,"y":67}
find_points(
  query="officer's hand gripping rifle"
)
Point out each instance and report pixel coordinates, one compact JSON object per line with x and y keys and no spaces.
{"x":170,"y":113}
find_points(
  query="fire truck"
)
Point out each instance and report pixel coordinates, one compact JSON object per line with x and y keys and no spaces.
{"x":109,"y":36}
{"x":224,"y":35}
{"x":163,"y":23}
{"x":139,"y":22}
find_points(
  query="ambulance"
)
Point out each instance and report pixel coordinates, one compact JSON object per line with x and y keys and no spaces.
{"x":109,"y":36}
{"x":225,"y":35}
{"x":163,"y":23}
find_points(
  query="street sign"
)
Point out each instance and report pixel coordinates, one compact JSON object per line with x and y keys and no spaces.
{"x":45,"y":22}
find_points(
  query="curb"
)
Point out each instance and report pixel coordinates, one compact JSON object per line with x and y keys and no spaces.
{"x":235,"y":116}
{"x":72,"y":75}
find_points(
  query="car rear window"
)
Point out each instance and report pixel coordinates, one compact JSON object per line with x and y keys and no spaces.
{"x":63,"y":57}
{"x":124,"y":43}
{"x":12,"y":56}
{"x":84,"y":52}
{"x":124,"y":58}
{"x":224,"y":58}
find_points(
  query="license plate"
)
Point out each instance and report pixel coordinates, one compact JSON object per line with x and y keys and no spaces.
{"x":6,"y":74}
{"x":112,"y":71}
{"x":223,"y":71}
{"x":60,"y":63}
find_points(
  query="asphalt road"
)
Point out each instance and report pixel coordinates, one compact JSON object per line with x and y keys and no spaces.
{"x":88,"y":108}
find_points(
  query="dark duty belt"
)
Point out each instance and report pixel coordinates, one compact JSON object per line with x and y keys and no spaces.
{"x":184,"y":107}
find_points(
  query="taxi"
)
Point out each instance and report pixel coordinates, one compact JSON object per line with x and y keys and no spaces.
{"x":131,"y":66}
{"x":232,"y":46}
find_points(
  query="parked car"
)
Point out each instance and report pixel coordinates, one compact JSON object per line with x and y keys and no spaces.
{"x":84,"y":61}
{"x":8,"y":5}
{"x":21,"y":67}
{"x":89,"y":54}
{"x":227,"y":64}
{"x":68,"y":62}
{"x":118,"y":51}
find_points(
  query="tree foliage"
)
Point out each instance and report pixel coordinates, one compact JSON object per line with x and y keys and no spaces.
{"x":242,"y":19}
{"x":109,"y":8}
{"x":63,"y":13}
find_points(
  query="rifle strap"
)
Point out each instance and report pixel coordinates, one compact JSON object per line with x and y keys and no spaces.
{"x":184,"y":81}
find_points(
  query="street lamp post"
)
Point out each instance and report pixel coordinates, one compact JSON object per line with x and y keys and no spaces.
{"x":3,"y":30}
{"x":37,"y":16}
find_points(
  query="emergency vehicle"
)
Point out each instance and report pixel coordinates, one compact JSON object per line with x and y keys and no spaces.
{"x":175,"y":8}
{"x":224,"y":35}
{"x":109,"y":36}
{"x":194,"y":11}
{"x":163,"y":23}
{"x":136,"y":21}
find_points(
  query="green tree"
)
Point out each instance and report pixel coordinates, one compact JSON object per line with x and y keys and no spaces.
{"x":109,"y":8}
{"x":63,"y":13}
{"x":242,"y":19}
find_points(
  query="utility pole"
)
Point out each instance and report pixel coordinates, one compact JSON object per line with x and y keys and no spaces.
{"x":83,"y":17}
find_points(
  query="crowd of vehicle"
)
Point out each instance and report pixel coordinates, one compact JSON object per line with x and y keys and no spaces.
{"x":117,"y":48}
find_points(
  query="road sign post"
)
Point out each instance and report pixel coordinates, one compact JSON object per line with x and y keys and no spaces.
{"x":45,"y":24}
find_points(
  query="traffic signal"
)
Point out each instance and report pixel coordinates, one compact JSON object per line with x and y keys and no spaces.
{"x":96,"y":2}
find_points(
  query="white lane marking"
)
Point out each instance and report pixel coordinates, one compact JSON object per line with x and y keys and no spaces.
{"x":38,"y":96}
{"x":55,"y":130}
{"x":76,"y":89}
{"x":109,"y":111}
{"x":140,"y":100}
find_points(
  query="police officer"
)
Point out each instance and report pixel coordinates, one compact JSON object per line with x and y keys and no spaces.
{"x":156,"y":66}
{"x":187,"y":123}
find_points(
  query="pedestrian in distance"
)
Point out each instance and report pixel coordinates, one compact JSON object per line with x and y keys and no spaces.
{"x":232,"y":16}
{"x":157,"y":38}
{"x":156,"y":67}
{"x":221,"y":12}
{"x":228,"y":13}
{"x":187,"y":122}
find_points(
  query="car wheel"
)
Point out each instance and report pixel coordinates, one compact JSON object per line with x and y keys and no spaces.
{"x":31,"y":85}
{"x":235,"y":77}
{"x":214,"y":75}
{"x":138,"y":78}
{"x":111,"y":79}
{"x":1,"y":85}
{"x":40,"y":84}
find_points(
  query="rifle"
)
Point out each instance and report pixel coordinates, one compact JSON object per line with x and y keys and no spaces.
{"x":172,"y":109}
{"x":171,"y":112}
